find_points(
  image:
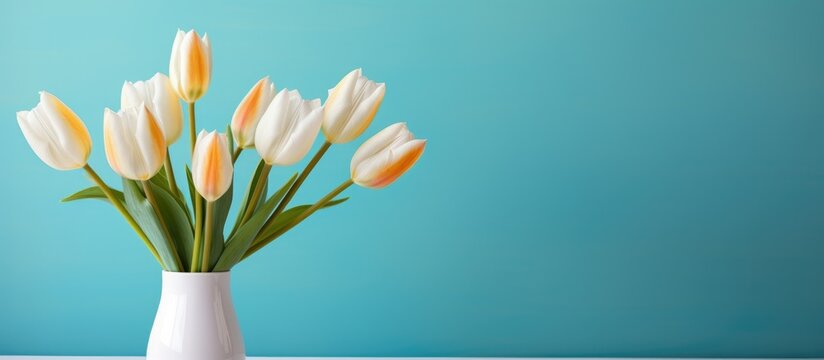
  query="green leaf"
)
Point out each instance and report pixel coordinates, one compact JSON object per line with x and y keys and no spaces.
{"x":162,"y":182}
{"x":160,"y":178}
{"x":285,"y":218}
{"x":93,"y":192}
{"x":192,"y":190}
{"x":144,"y":214}
{"x":251,"y":188}
{"x":231,"y":139}
{"x":240,"y":241}
{"x":221,"y":210}
{"x":193,"y":194}
{"x":177,"y":220}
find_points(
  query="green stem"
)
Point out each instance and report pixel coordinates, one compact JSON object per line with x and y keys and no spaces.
{"x":196,"y":249}
{"x":257,"y":245}
{"x":170,"y":174}
{"x":166,"y":233}
{"x":253,"y":200}
{"x":298,"y":182}
{"x":236,"y":154}
{"x":192,"y":134}
{"x":119,"y":206}
{"x":207,"y":246}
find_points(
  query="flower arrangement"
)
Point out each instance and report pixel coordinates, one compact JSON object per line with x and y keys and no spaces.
{"x":193,"y":236}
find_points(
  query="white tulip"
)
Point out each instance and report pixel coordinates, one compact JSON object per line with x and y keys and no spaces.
{"x":190,"y":66}
{"x":161,"y":99}
{"x":288,"y":128}
{"x":212,"y":165}
{"x":351,"y":106}
{"x":56,"y":133}
{"x":248,"y":113}
{"x":386,"y":156}
{"x":135,"y":147}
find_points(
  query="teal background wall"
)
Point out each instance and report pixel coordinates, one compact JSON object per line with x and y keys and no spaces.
{"x":603,"y":178}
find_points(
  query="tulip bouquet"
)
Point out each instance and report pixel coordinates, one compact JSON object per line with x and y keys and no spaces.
{"x":191,"y":235}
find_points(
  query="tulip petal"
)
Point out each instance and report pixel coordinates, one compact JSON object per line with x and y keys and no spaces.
{"x":116,"y":135}
{"x":166,"y":107}
{"x":55,"y":133}
{"x":174,"y":62}
{"x":273,"y":124}
{"x":212,"y":165}
{"x":70,"y":131}
{"x":364,"y":111}
{"x":338,"y":105}
{"x":150,"y":141}
{"x":159,"y":96}
{"x":288,"y":128}
{"x":382,"y":170}
{"x":207,"y":49}
{"x":129,"y":96}
{"x":190,"y":67}
{"x":385,"y":156}
{"x":251,"y":109}
{"x":381,"y":141}
{"x":300,"y":140}
{"x":135,"y":147}
{"x":39,"y":140}
{"x":351,"y":106}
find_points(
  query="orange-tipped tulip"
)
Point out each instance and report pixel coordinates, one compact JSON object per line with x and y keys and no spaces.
{"x":386,"y":156}
{"x":248,"y":113}
{"x":190,"y":67}
{"x":56,"y":133}
{"x":351,"y":106}
{"x":135,"y":146}
{"x":212,"y":165}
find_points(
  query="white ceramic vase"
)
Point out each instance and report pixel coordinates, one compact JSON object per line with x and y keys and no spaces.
{"x":195,"y":320}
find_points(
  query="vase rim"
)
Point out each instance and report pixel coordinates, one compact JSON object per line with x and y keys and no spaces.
{"x":195,"y":273}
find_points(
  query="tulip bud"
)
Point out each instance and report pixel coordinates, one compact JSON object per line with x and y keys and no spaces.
{"x":288,"y":128}
{"x":56,"y":133}
{"x":190,"y":67}
{"x":212,"y":165}
{"x":386,"y":156}
{"x":135,"y":147}
{"x":161,"y":99}
{"x":248,"y":113}
{"x":351,"y":106}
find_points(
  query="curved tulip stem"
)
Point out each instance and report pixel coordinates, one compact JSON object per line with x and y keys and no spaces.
{"x":119,"y":206}
{"x":253,"y":200}
{"x":198,"y":234}
{"x":150,"y":196}
{"x":170,"y":174}
{"x":236,"y":154}
{"x":192,"y":127}
{"x":207,"y":234}
{"x":257,"y":245}
{"x":298,"y":182}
